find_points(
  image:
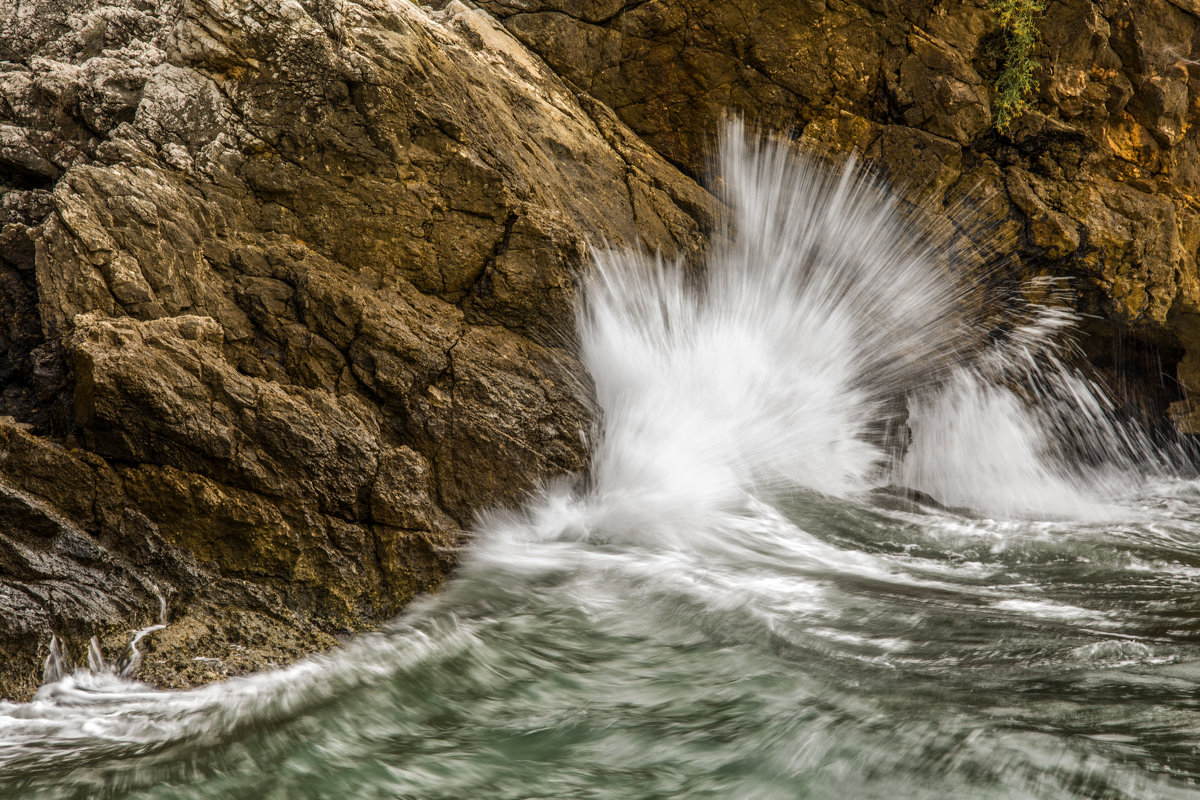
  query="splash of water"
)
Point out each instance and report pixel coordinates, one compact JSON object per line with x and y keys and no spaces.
{"x":1020,"y":431}
{"x":770,"y":367}
{"x":736,"y":398}
{"x":778,"y":364}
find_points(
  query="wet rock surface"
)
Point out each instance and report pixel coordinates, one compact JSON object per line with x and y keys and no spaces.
{"x":285,"y":299}
{"x":1097,"y":181}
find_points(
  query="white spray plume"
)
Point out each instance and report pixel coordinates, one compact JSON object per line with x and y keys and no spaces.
{"x":769,"y":366}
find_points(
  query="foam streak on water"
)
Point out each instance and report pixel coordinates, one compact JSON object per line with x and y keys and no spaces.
{"x":727,"y":608}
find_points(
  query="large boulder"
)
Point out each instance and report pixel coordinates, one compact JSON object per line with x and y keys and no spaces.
{"x":286,"y":299}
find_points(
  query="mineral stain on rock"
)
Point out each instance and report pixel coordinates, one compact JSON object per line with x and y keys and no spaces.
{"x":286,"y":287}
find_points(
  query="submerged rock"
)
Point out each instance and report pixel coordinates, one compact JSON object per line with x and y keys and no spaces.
{"x":285,"y":299}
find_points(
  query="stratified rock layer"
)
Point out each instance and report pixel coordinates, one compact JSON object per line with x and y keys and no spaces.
{"x":1099,"y":180}
{"x":285,"y":299}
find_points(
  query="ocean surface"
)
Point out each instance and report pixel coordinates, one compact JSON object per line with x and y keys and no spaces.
{"x":776,"y":581}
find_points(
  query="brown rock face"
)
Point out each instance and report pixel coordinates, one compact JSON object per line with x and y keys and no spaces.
{"x":1100,"y":179}
{"x":285,"y":299}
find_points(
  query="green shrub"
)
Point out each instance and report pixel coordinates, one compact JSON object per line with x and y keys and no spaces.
{"x":1019,"y":21}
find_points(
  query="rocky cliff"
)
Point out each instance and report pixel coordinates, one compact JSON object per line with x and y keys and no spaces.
{"x":285,"y":298}
{"x":1098,"y":179}
{"x":286,"y":285}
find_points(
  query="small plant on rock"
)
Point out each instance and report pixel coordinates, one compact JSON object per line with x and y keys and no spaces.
{"x":1019,"y":22}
